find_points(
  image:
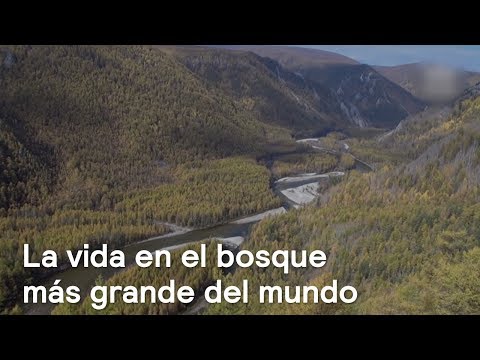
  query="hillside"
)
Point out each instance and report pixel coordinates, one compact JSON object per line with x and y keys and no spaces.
{"x":274,"y":94}
{"x":406,"y":236}
{"x":114,"y":115}
{"x":364,"y":97}
{"x":431,"y":83}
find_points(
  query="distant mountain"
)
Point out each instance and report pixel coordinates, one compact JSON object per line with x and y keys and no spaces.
{"x":365,"y":97}
{"x":429,"y":82}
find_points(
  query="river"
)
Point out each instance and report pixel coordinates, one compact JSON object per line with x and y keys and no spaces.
{"x":85,"y":278}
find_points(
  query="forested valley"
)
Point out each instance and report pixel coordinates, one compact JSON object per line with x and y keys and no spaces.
{"x":406,"y":236}
{"x":113,"y":144}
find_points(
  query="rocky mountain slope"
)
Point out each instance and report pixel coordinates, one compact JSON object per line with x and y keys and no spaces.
{"x":365,"y":97}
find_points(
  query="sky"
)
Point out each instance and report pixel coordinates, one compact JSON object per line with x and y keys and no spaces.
{"x":460,"y":56}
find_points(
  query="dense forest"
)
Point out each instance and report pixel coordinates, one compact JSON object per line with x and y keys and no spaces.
{"x":302,"y":163}
{"x":112,"y":117}
{"x":105,"y":143}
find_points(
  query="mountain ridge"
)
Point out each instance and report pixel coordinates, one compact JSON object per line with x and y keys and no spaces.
{"x":365,"y":97}
{"x":294,"y":56}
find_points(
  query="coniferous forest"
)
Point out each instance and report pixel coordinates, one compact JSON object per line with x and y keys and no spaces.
{"x":114,"y":144}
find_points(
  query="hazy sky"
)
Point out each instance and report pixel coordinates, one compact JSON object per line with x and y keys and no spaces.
{"x":461,"y":56}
